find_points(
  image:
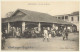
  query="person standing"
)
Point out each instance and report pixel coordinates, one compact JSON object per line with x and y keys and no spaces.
{"x":45,"y":34}
{"x":14,"y":31}
{"x":49,"y":33}
{"x":65,"y":33}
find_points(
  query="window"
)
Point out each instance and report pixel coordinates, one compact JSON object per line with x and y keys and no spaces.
{"x":72,"y":19}
{"x":66,"y":17}
{"x":58,"y":17}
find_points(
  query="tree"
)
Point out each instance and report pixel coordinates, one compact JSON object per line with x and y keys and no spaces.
{"x":9,"y":14}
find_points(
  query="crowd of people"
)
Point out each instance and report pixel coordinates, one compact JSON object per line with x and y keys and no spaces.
{"x":47,"y":33}
{"x":13,"y":32}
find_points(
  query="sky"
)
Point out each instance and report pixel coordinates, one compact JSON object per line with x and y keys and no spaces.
{"x":53,"y":8}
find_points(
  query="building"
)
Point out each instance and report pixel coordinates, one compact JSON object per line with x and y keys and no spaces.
{"x":72,"y":18}
{"x":22,"y":19}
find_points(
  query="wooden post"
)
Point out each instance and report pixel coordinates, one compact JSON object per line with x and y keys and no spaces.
{"x":23,"y":26}
{"x":72,"y":28}
{"x":39,"y":27}
{"x":8,"y":27}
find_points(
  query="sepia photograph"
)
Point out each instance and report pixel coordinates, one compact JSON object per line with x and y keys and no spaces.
{"x":39,"y":25}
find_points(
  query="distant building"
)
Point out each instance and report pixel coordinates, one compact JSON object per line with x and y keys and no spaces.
{"x":73,"y":18}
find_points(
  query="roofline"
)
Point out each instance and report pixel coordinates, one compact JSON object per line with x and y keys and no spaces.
{"x":67,"y":14}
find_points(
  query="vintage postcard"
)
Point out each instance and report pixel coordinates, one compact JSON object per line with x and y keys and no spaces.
{"x":39,"y":25}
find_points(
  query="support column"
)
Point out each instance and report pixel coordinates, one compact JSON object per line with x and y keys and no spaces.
{"x":72,"y":28}
{"x":39,"y":27}
{"x":8,"y":27}
{"x":23,"y":26}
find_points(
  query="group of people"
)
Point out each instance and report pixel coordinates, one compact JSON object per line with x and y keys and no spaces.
{"x":65,"y":33}
{"x":13,"y":31}
{"x":47,"y":33}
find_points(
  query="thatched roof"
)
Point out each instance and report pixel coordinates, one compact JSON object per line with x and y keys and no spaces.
{"x":33,"y":16}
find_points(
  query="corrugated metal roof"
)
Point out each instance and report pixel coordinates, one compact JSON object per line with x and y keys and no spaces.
{"x":33,"y":16}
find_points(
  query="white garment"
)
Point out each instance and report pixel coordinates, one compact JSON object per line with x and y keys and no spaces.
{"x":45,"y":31}
{"x":5,"y":31}
{"x":45,"y":34}
{"x":49,"y":35}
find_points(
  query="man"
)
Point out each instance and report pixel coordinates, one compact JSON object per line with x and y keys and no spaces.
{"x":49,"y":33}
{"x":14,"y":31}
{"x":45,"y":34}
{"x":65,"y":33}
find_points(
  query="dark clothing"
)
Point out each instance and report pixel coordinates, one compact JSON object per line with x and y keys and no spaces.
{"x":65,"y":34}
{"x":49,"y":32}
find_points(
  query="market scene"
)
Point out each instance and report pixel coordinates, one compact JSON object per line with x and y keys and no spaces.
{"x":36,"y":31}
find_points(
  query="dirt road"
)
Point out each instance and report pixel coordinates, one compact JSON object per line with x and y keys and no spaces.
{"x":37,"y":44}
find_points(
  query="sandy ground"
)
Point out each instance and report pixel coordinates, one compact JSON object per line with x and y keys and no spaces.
{"x":37,"y":44}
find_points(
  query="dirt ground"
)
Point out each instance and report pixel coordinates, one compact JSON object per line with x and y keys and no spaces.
{"x":37,"y":44}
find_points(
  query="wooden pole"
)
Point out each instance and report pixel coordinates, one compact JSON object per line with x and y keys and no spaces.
{"x":39,"y":27}
{"x":23,"y":26}
{"x":8,"y":27}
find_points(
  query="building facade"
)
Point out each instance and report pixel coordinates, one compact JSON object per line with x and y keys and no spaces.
{"x":73,"y":18}
{"x":23,"y":20}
